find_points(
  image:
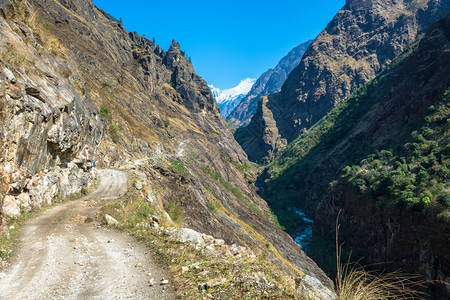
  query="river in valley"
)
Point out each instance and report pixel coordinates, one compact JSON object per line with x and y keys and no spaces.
{"x":303,"y":234}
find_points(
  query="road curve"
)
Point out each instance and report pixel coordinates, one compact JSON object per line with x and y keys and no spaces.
{"x":64,"y":254}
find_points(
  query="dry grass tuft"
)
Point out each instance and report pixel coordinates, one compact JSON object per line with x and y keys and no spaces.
{"x":354,"y":282}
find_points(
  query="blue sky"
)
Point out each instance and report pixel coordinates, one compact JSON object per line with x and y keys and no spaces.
{"x":227,"y":40}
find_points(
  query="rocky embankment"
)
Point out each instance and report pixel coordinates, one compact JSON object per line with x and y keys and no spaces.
{"x":48,"y":132}
{"x":34,"y":191}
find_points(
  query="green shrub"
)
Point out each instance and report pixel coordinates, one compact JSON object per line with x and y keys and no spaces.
{"x":444,"y":216}
{"x":444,"y":199}
{"x":444,"y":172}
{"x":105,"y":112}
{"x":106,"y":84}
{"x":174,"y":210}
{"x":84,"y":191}
{"x":114,"y":131}
{"x":211,"y":206}
{"x":178,"y":166}
{"x":413,"y":174}
{"x":425,"y":202}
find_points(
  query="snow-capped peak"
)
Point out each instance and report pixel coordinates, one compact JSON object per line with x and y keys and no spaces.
{"x":229,"y":94}
{"x":230,"y":98}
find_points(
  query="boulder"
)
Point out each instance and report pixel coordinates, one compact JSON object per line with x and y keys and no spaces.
{"x":10,"y":207}
{"x":312,"y":288}
{"x":24,"y":202}
{"x":185,"y":235}
{"x":110,"y":220}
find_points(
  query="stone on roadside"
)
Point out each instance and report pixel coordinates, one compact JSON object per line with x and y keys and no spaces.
{"x":10,"y":207}
{"x":312,"y":288}
{"x":164,"y":281}
{"x":184,"y":270}
{"x":110,"y":220}
{"x":215,"y":282}
{"x":185,"y":235}
{"x":24,"y":201}
{"x":154,"y":224}
{"x":138,"y":186}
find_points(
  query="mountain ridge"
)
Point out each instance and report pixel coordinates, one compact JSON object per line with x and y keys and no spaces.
{"x":269,"y":82}
{"x":360,"y":41}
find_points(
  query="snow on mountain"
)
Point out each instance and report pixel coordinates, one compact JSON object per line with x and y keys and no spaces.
{"x":228,"y":99}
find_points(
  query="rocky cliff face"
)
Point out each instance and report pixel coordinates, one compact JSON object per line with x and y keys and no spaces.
{"x":414,"y":242}
{"x":268,"y":83}
{"x":360,"y":41}
{"x":45,"y":123}
{"x":382,"y":117}
{"x":77,"y":87}
{"x":399,"y":240}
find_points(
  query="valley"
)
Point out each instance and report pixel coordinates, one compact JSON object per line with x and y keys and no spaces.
{"x":124,"y":174}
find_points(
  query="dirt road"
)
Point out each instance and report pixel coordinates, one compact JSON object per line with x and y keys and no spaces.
{"x":64,"y":254}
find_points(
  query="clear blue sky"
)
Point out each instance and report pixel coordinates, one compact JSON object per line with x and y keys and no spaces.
{"x":228,"y":40}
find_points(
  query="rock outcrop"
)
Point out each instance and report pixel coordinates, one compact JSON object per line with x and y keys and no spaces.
{"x":268,"y":83}
{"x":360,"y":42}
{"x":49,"y":132}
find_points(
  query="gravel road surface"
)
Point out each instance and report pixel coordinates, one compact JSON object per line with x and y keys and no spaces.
{"x":64,"y":253}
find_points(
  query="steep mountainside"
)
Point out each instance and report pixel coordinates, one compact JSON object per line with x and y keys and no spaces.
{"x":360,"y":41}
{"x":228,"y":99}
{"x":269,"y":82}
{"x":77,"y":89}
{"x":384,"y":153}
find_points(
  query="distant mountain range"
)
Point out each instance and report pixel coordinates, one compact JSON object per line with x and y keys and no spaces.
{"x":228,"y":99}
{"x":269,"y":82}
